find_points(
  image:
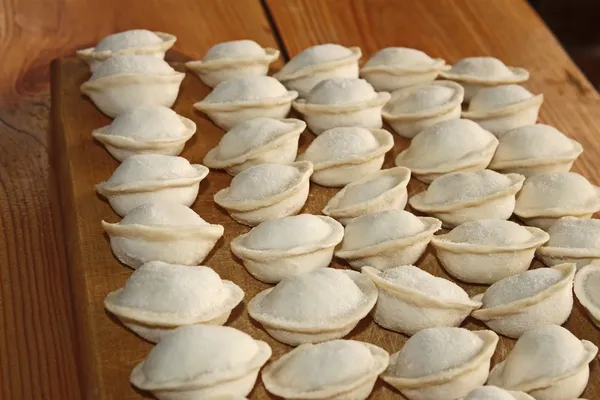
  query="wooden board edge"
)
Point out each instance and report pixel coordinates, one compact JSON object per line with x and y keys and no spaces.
{"x":87,"y":369}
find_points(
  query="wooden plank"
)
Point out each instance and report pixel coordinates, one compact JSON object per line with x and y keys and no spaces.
{"x":509,"y":30}
{"x":108,"y":351}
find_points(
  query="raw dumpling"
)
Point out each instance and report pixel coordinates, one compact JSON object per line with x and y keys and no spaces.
{"x":239,"y":99}
{"x":548,"y":363}
{"x":281,"y":248}
{"x":132,"y":42}
{"x":524,"y":302}
{"x":342,"y":102}
{"x":487,"y":250}
{"x":587,"y":290}
{"x":158,"y":297}
{"x":266,"y":191}
{"x":256,"y":141}
{"x":386,"y":239}
{"x":441,"y":363}
{"x":535,"y":149}
{"x":335,"y":369}
{"x":313,"y":307}
{"x":162,"y":231}
{"x":448,"y":146}
{"x":572,"y":240}
{"x":149,"y":178}
{"x":468,"y":196}
{"x":342,"y":155}
{"x":412,"y":109}
{"x":547,"y":197}
{"x":125,"y":82}
{"x":399,"y":67}
{"x":411,"y":300}
{"x":316,"y":63}
{"x":379,"y":191}
{"x":475,"y":73}
{"x":233,"y":59}
{"x":502,"y":108}
{"x":202,"y":362}
{"x":149,"y":129}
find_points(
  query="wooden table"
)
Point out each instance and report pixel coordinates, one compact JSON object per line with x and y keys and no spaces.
{"x":38,"y":341}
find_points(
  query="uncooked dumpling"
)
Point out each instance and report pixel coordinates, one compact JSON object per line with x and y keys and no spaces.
{"x":337,"y":368}
{"x":236,"y":100}
{"x":316,"y":63}
{"x":314,"y":307}
{"x":548,"y":363}
{"x":343,"y":155}
{"x":441,"y":363}
{"x":266,"y":191}
{"x":524,"y":302}
{"x":281,"y":248}
{"x":547,"y":197}
{"x":202,"y":362}
{"x":449,"y":146}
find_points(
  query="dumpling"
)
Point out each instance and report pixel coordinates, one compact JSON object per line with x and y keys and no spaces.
{"x":468,"y":196}
{"x":524,"y":302}
{"x":547,"y":197}
{"x":158,"y":297}
{"x":239,"y":99}
{"x":496,"y":393}
{"x":487,"y":250}
{"x":502,"y":108}
{"x":386,"y":239}
{"x":162,"y":231}
{"x":281,"y":248}
{"x":316,"y":306}
{"x":149,"y":178}
{"x":441,"y":363}
{"x":266,"y":191}
{"x":342,"y":102}
{"x":587,"y":290}
{"x":314,"y":64}
{"x":572,"y":240}
{"x":379,"y":191}
{"x":535,"y":149}
{"x":132,"y":42}
{"x":411,"y":300}
{"x":125,"y":82}
{"x":335,"y":369}
{"x":448,"y":146}
{"x":548,"y":363}
{"x":399,"y":67}
{"x":233,"y":59}
{"x":202,"y":362}
{"x":149,"y":129}
{"x":412,"y":109}
{"x":475,"y":73}
{"x":256,"y":141}
{"x":343,"y":155}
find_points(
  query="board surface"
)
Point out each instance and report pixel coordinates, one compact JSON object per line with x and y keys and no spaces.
{"x":108,"y":350}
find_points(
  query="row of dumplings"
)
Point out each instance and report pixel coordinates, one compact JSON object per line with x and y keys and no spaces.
{"x":128,"y":71}
{"x":492,"y":252}
{"x":214,"y":362}
{"x":312,"y":304}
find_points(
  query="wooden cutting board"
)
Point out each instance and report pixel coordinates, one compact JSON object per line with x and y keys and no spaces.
{"x":107,"y":350}
{"x":110,"y":351}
